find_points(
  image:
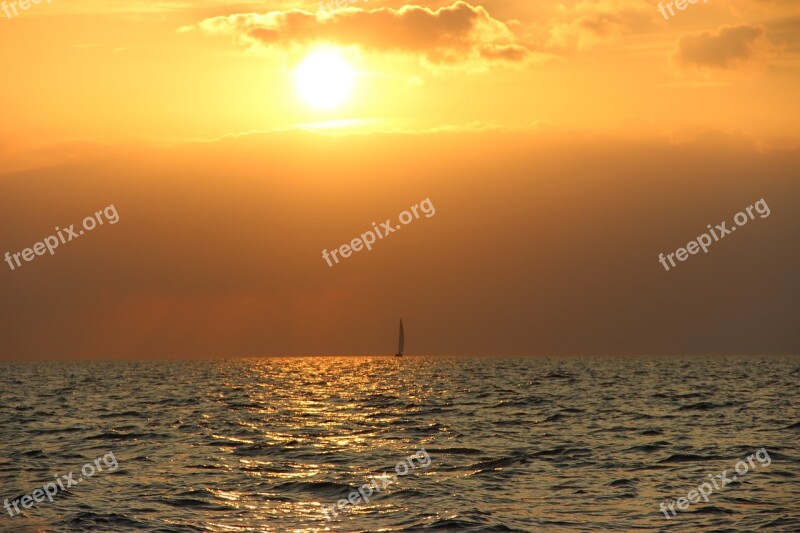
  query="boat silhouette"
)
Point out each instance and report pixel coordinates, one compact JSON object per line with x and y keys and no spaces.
{"x":401,"y":345}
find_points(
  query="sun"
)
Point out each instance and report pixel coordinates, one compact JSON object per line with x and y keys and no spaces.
{"x":324,"y":79}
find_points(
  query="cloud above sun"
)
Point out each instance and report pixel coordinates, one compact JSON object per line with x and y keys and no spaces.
{"x":448,"y":36}
{"x":477,"y":37}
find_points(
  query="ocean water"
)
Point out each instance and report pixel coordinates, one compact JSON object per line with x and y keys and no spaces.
{"x":514,"y":444}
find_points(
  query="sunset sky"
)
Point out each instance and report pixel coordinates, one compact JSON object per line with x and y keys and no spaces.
{"x":564,"y":145}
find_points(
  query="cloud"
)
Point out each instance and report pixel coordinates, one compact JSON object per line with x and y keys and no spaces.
{"x":460,"y":33}
{"x":728,"y":48}
{"x":593,"y":21}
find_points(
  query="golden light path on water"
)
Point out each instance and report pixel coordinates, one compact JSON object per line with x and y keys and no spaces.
{"x":512,"y":444}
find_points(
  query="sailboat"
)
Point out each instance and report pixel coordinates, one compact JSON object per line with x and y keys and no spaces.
{"x":402,"y":341}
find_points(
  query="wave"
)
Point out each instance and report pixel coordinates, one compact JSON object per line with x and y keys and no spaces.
{"x":687,"y":457}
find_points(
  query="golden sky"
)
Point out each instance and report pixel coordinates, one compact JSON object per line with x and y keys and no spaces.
{"x":564,"y":144}
{"x":186,"y":70}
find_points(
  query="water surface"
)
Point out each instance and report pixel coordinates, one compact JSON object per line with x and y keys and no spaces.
{"x":515,"y":444}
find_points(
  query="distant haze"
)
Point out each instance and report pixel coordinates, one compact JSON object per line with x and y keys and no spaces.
{"x":543,"y":243}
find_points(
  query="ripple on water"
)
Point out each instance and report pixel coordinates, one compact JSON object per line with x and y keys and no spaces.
{"x":515,"y":444}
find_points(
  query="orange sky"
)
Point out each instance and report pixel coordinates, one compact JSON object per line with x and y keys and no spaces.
{"x":564,"y":145}
{"x":154,"y":71}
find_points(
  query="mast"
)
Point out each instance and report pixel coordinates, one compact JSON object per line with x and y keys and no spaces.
{"x":402,"y":339}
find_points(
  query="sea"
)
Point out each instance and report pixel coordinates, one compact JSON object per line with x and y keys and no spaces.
{"x":496,"y":444}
